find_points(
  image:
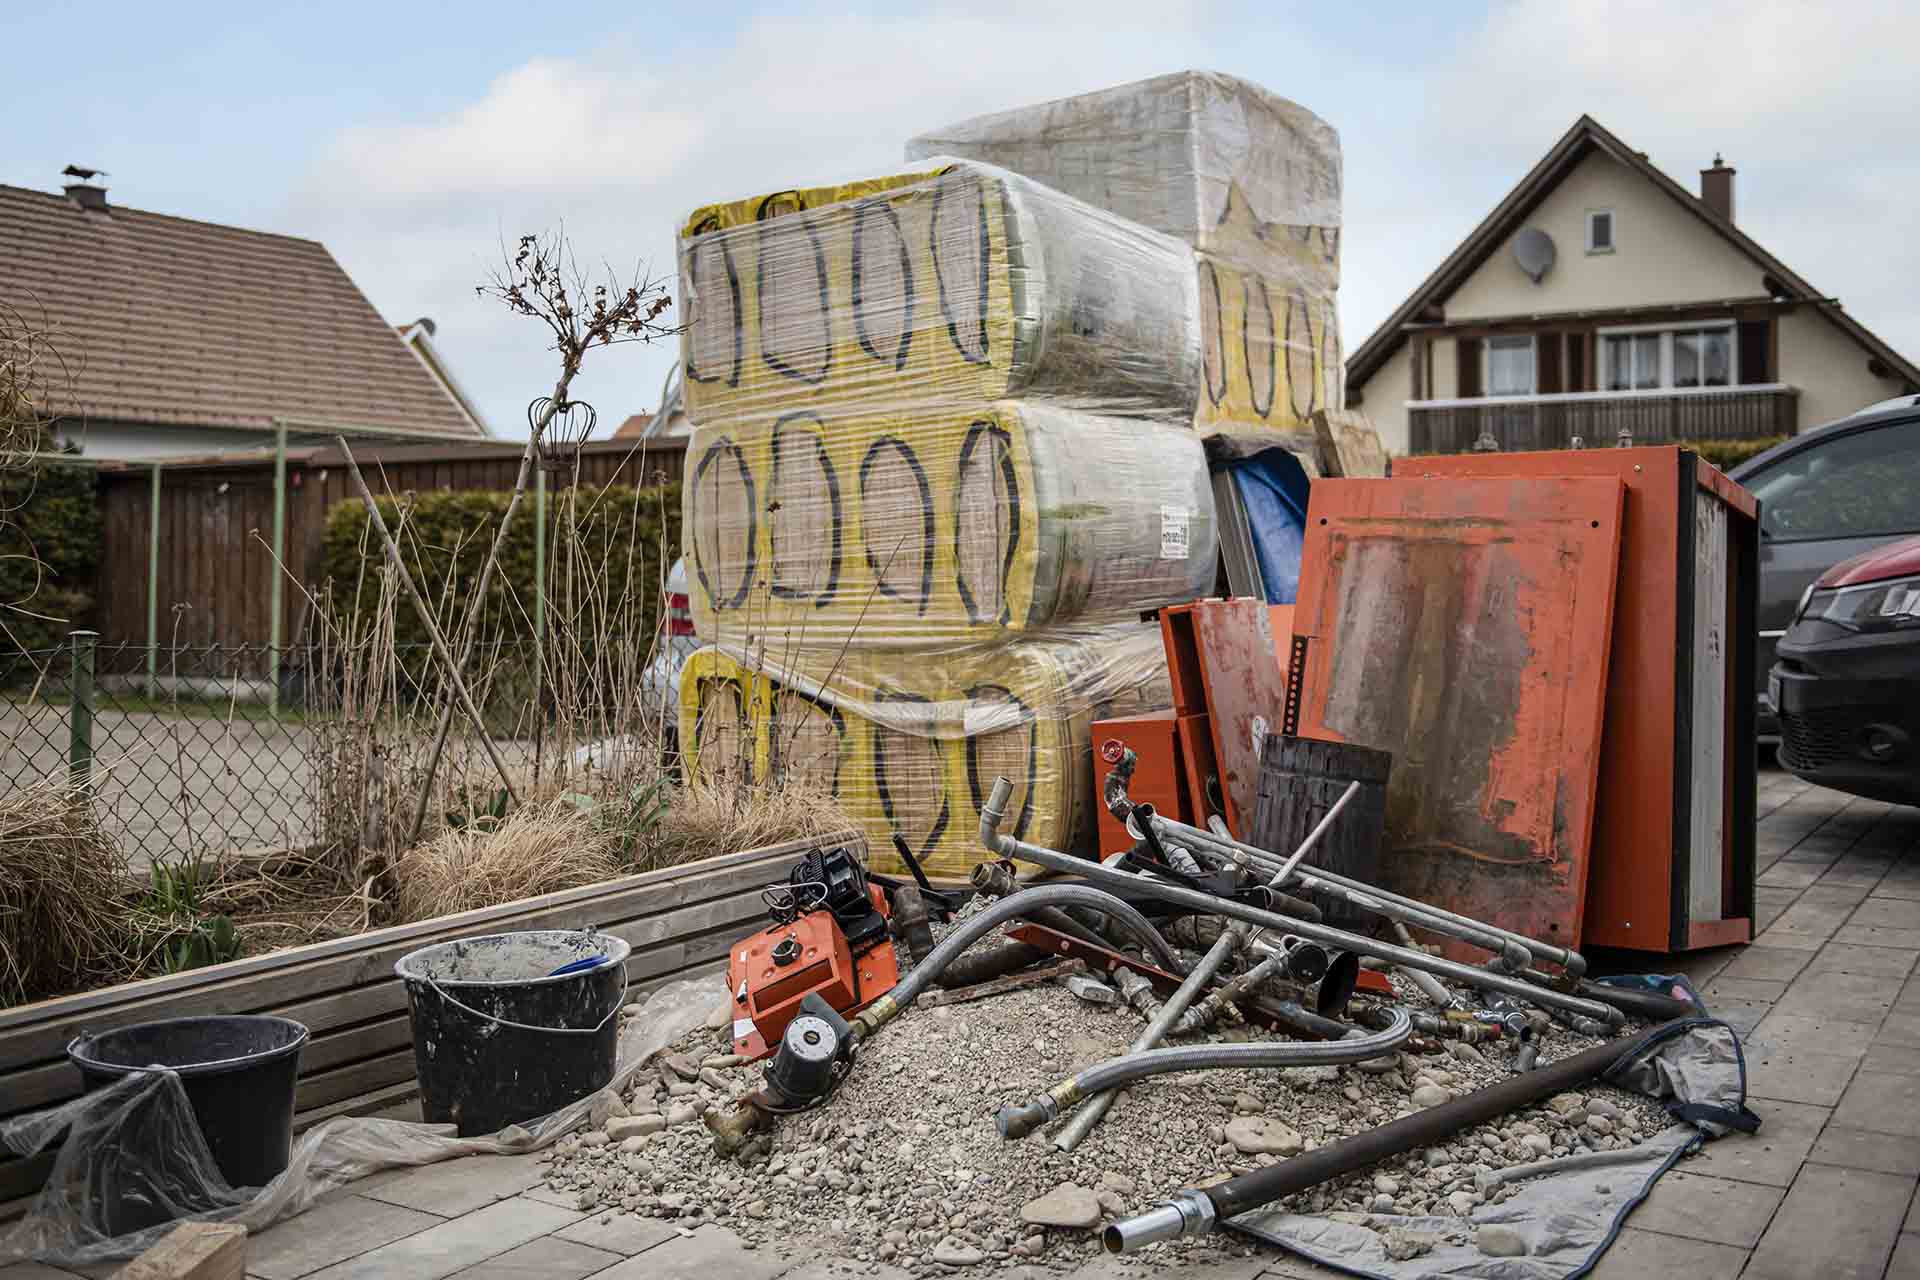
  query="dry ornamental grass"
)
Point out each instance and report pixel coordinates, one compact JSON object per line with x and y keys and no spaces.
{"x":64,"y":919}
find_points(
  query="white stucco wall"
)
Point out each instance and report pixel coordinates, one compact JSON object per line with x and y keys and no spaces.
{"x":1663,"y":254}
{"x":1830,"y":369}
{"x":1387,"y":394}
{"x":117,"y":441}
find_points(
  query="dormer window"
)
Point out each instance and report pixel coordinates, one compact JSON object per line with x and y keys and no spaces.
{"x":1599,"y":231}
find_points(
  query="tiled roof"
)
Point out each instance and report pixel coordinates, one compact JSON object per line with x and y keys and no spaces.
{"x":167,"y":320}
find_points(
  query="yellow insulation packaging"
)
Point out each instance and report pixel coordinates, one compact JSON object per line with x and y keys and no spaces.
{"x":959,"y":282}
{"x":914,"y":752}
{"x":927,"y":526}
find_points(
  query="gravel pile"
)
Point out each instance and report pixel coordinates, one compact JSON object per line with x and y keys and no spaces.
{"x":904,"y":1166}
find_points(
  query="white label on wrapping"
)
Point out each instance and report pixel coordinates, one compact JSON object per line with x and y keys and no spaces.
{"x":1173,"y":532}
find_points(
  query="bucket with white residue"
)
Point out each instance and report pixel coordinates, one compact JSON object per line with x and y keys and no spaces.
{"x":511,"y":1026}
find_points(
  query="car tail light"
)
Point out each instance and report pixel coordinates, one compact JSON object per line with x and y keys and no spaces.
{"x":679,"y":616}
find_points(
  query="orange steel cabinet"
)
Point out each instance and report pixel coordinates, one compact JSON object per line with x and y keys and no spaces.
{"x":1463,"y":625}
{"x":1673,"y":839}
{"x":1220,"y":656}
{"x":1158,"y":777}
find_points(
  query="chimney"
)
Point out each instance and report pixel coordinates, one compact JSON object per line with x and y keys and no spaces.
{"x":88,"y":196}
{"x":1716,"y":188}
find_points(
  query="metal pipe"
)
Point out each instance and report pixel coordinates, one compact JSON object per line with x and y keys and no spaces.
{"x":1514,"y":950}
{"x":1186,"y":1217}
{"x":1019,"y":1120}
{"x":923,"y":975}
{"x":1429,"y":985}
{"x":1313,"y":837}
{"x":1094,"y":873}
{"x":1155,"y":1031}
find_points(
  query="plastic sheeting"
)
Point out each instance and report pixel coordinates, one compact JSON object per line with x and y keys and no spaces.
{"x":136,"y":1144}
{"x":1563,"y":1216}
{"x":932,"y":524}
{"x":958,"y":283}
{"x":913,"y":749}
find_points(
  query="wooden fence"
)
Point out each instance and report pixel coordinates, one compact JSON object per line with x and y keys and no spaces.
{"x":213,"y":578}
{"x":680,"y":923}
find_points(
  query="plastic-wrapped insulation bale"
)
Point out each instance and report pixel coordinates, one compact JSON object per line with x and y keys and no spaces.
{"x":1175,"y":153}
{"x":956,"y":282}
{"x":914,"y":751}
{"x":1272,"y":353}
{"x":931,"y":525}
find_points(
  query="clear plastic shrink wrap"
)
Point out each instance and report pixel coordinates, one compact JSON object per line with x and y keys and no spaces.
{"x":1249,"y":179}
{"x":927,"y":525}
{"x":959,"y":282}
{"x":912,"y":748}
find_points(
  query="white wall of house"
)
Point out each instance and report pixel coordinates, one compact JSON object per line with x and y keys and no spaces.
{"x":1829,"y":367}
{"x":1386,"y":403}
{"x":114,"y":441}
{"x":1662,"y":254}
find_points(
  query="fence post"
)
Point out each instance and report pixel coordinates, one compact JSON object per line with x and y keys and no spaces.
{"x":275,"y":588}
{"x":153,"y":585}
{"x":539,"y":571}
{"x":80,"y":710}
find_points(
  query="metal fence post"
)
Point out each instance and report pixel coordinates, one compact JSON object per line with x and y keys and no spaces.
{"x":539,"y":571}
{"x":153,"y":585}
{"x":275,"y":589}
{"x":80,"y":710}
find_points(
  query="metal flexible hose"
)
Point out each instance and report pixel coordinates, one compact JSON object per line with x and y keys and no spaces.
{"x":1018,"y":1120}
{"x":1012,"y":907}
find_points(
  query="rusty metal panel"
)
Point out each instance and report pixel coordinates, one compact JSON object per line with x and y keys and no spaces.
{"x":1464,"y":625}
{"x":1231,"y":641}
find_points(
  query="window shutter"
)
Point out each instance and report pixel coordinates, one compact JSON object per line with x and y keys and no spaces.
{"x":1546,"y":363}
{"x":1577,"y":362}
{"x":1754,"y":340}
{"x":1467,"y":381}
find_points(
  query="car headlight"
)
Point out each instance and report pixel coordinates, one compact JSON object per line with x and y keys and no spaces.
{"x":1878,"y":606}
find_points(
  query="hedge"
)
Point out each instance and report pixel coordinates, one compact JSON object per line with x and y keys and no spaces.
{"x":50,"y":548}
{"x":448,"y":535}
{"x":1728,"y":454}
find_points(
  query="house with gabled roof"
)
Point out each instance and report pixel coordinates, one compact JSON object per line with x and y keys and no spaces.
{"x":181,"y":337}
{"x":1602,"y":299}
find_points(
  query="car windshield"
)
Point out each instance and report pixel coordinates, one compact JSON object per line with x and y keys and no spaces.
{"x":1859,"y":485}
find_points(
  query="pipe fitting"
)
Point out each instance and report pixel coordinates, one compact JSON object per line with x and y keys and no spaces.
{"x":1190,"y":1213}
{"x":1019,"y":1120}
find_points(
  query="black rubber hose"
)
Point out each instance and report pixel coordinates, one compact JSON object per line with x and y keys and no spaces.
{"x":1336,"y":1159}
{"x":1098,"y":929}
{"x":910,"y":921}
{"x":975,"y":967}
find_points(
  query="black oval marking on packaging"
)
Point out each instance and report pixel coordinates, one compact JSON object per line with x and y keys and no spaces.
{"x":1213,"y":350}
{"x":875,"y":344}
{"x":703,"y":247}
{"x":1002,"y":444}
{"x":972,"y":343}
{"x":838,"y":721}
{"x":882,"y":566}
{"x":1300,"y":348}
{"x":725,"y":447}
{"x":778,"y":502}
{"x":1255,"y":287}
{"x":880,"y":780}
{"x":779,"y":226}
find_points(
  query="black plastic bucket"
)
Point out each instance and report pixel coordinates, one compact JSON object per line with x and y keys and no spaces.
{"x":1301,"y":779}
{"x":238,"y":1073}
{"x":500,"y":1037}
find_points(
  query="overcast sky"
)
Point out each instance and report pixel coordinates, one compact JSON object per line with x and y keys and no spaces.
{"x":412,"y":138}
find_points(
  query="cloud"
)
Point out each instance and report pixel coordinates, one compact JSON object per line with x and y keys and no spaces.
{"x":620,"y":148}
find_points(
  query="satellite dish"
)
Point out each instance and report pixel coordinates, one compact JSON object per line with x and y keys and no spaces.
{"x":1533,"y":250}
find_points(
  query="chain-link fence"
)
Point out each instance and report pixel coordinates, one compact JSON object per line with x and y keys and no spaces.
{"x":188,"y":749}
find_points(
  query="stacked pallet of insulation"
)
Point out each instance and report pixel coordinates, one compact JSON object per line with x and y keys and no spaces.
{"x":1250,"y":180}
{"x":913,"y":749}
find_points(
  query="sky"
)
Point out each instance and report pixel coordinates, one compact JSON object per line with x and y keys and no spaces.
{"x":415,"y":139}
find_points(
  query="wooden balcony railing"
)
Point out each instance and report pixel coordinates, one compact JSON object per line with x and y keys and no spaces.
{"x":1598,"y":417}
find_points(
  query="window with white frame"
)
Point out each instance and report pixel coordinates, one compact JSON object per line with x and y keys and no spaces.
{"x":1655,"y":359}
{"x":1599,"y":231}
{"x":1510,"y":366}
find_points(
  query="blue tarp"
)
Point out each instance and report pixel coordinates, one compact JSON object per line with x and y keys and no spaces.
{"x":1273,"y":489}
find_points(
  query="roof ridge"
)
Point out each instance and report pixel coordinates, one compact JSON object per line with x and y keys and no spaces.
{"x":114,"y":210}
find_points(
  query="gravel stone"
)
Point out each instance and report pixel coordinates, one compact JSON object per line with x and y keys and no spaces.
{"x":1067,"y":1205}
{"x":954,"y":1253}
{"x":1500,"y":1242}
{"x":1429,"y":1095}
{"x":627,"y":1128}
{"x":1256,"y":1135}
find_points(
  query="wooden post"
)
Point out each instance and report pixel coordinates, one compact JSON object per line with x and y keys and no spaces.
{"x":193,"y":1251}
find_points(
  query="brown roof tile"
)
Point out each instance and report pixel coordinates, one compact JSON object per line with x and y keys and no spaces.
{"x":167,"y":320}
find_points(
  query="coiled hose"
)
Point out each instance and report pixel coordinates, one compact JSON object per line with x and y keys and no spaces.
{"x":1019,"y":1120}
{"x":1013,"y":907}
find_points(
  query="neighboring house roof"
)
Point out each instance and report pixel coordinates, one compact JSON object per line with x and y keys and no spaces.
{"x":165,"y":320}
{"x":419,"y":337}
{"x":634,"y":428}
{"x":1585,"y":137}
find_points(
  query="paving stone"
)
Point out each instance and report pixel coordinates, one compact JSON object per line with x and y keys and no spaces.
{"x":1742,"y":1015}
{"x":625,"y":1235}
{"x":1766,"y":964}
{"x":1872,"y":936}
{"x":34,"y":1271}
{"x":1905,"y":1265}
{"x":1796,"y":1075}
{"x":1887,"y":913}
{"x":1881,"y":1102}
{"x":1828,"y":889}
{"x":1717,"y":1210}
{"x":1853,"y":873}
{"x":1840,"y":995}
{"x":1788,"y":1131}
{"x":1899,"y":882}
{"x":1809,"y":920}
{"x":1811,"y":1033}
{"x":547,"y":1195}
{"x":1893,"y":1059}
{"x":705,"y":1254}
{"x":1636,"y":1254}
{"x":1864,"y":1149}
{"x":1747,"y":990}
{"x":457,"y":1244}
{"x":1900,"y":1029}
{"x":548,"y":1258}
{"x":1884,"y":962}
{"x":453,"y":1187}
{"x":1764,"y":914}
{"x":330,"y":1233}
{"x":1839,"y":1224}
{"x":1790,"y":875}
